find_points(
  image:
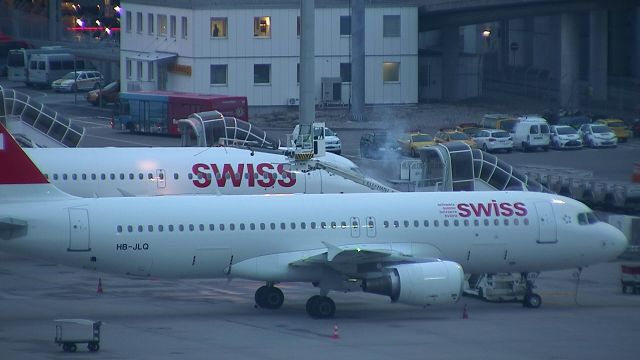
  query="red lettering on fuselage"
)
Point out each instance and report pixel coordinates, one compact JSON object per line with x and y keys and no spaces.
{"x":267,"y":175}
{"x":492,"y":208}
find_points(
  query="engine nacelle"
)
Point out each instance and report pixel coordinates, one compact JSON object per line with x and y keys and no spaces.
{"x":421,"y":284}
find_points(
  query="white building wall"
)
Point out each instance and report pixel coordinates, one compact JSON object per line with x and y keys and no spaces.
{"x":240,"y":50}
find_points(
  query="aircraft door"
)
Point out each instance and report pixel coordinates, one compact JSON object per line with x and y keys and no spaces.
{"x":313,"y":182}
{"x":371,"y":226}
{"x":161,"y":178}
{"x":210,"y":261}
{"x":355,"y":227}
{"x":546,"y":223}
{"x":78,"y":230}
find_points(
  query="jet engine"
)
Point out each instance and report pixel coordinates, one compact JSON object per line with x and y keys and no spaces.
{"x":421,"y":284}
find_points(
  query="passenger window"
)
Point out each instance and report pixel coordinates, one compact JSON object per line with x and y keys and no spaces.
{"x":121,"y":176}
{"x":242,"y":227}
{"x":426,"y":223}
{"x":436,"y":223}
{"x":283,"y":226}
{"x":476,"y":222}
{"x":334,"y":225}
{"x":112,"y":176}
{"x":506,"y":222}
{"x":221,"y":227}
{"x":526,"y":221}
{"x":130,"y":176}
{"x":396,"y":224}
{"x":406,"y":223}
{"x":129,"y":228}
{"x":64,"y":176}
{"x":343,"y":224}
{"x":252,"y":226}
{"x":212,"y":227}
{"x":103,"y":177}
{"x":262,"y":226}
{"x":190,"y":176}
{"x":516,"y":221}
{"x":176,"y":176}
{"x":55,"y":176}
{"x":140,"y":228}
{"x":313,"y":225}
{"x":232,"y":227}
{"x":201,"y":227}
{"x":93,"y":176}
{"x":370,"y":224}
{"x":150,"y":176}
{"x":293,"y":226}
{"x":170,"y":228}
{"x":446,"y":223}
{"x":150,"y":228}
{"x":323,"y":225}
{"x":160,"y":228}
{"x":74,"y":176}
{"x":119,"y":228}
{"x":466,"y":222}
{"x":84,"y":176}
{"x":141,"y":176}
{"x":496,"y":222}
{"x":273,"y":226}
{"x":303,"y":225}
{"x":486,"y":222}
{"x":456,"y":222}
{"x":181,"y":227}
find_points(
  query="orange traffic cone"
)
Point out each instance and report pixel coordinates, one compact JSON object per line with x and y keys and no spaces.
{"x":99,"y":291}
{"x":465,"y":314}
{"x":336,"y":333}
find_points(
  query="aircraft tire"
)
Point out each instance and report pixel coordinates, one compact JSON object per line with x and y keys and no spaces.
{"x":273,"y":298}
{"x":532,"y":301}
{"x":321,"y":307}
{"x":260,"y":296}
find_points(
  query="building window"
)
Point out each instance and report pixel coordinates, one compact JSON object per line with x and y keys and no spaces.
{"x":298,"y":26}
{"x":262,"y":73}
{"x":128,"y":67}
{"x":139,"y":70}
{"x":345,"y":25}
{"x":128,"y":20}
{"x":262,"y":26}
{"x":172,"y":25}
{"x":391,"y":26}
{"x":150,"y":72}
{"x":139,"y":22}
{"x":298,"y":73}
{"x":391,"y":72}
{"x":345,"y":72}
{"x":219,"y":27}
{"x":185,"y":31}
{"x":219,"y":74}
{"x":150,"y":24}
{"x":162,"y":25}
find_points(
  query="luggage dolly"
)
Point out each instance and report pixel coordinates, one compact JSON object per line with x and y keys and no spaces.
{"x":70,"y":332}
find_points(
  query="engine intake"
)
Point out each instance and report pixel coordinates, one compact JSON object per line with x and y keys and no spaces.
{"x":421,"y":284}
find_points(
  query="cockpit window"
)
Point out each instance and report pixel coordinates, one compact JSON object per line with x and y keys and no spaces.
{"x":587,"y":218}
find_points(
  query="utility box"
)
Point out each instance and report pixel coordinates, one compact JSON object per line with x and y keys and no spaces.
{"x":331,"y":90}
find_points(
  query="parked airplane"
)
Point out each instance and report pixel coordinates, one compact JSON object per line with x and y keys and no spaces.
{"x":107,"y":172}
{"x":388,"y":243}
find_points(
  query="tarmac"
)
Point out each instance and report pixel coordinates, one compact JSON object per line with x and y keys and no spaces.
{"x":216,"y":319}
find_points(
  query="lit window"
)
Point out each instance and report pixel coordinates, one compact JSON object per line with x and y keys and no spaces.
{"x":262,"y":74}
{"x":162,"y":25}
{"x":150,"y":23}
{"x":345,"y":25}
{"x":218,"y":27}
{"x":391,"y":72}
{"x":172,"y":25}
{"x":345,"y":72}
{"x":262,"y":26}
{"x":139,"y":22}
{"x":391,"y":25}
{"x":218,"y":75}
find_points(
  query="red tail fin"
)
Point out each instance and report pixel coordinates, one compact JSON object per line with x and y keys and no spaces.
{"x":15,"y":165}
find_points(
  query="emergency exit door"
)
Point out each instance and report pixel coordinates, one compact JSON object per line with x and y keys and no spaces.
{"x":78,"y":230}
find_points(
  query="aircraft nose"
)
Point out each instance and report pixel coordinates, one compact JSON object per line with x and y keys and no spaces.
{"x":618,"y":241}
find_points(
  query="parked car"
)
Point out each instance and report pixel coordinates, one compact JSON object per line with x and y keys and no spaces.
{"x":565,"y":137}
{"x":493,"y":139}
{"x":498,"y":121}
{"x":373,"y":145}
{"x":597,"y":135}
{"x":622,"y":131}
{"x":109,"y":94}
{"x":78,"y":80}
{"x":410,"y":142}
{"x":470,"y":129}
{"x":447,"y":135}
{"x":331,"y":140}
{"x":531,"y":132}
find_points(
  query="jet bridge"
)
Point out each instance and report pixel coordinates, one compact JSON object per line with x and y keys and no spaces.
{"x":211,"y":128}
{"x":454,"y":166}
{"x":34,"y":124}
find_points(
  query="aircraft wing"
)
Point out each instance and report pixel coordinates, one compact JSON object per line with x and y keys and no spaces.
{"x":12,"y":228}
{"x":335,"y":256}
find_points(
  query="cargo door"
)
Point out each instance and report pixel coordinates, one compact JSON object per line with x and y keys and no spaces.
{"x":546,"y":223}
{"x":78,"y":230}
{"x":210,"y":261}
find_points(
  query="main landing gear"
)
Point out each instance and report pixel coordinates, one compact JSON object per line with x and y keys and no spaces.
{"x":531,"y":299}
{"x":269,"y":297}
{"x":318,"y":306}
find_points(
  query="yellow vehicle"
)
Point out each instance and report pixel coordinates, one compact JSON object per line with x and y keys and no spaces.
{"x":410,"y":142}
{"x":498,"y":121}
{"x":622,"y":131}
{"x":446,"y":135}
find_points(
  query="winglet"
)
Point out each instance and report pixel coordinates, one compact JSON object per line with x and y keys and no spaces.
{"x":15,"y":165}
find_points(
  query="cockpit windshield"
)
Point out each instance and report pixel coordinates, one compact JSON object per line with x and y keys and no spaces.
{"x":587,"y":218}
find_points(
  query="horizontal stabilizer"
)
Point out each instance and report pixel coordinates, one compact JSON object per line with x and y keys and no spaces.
{"x":11,"y":228}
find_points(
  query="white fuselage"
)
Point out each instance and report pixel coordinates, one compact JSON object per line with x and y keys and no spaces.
{"x":260,"y":236}
{"x":108,"y":172}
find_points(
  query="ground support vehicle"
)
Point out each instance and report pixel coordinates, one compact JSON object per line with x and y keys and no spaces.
{"x":630,"y":279}
{"x":531,"y":132}
{"x":504,"y":287}
{"x":71,"y":332}
{"x":374,"y":145}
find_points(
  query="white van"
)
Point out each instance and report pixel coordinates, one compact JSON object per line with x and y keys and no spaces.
{"x":45,"y":68}
{"x":531,"y":132}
